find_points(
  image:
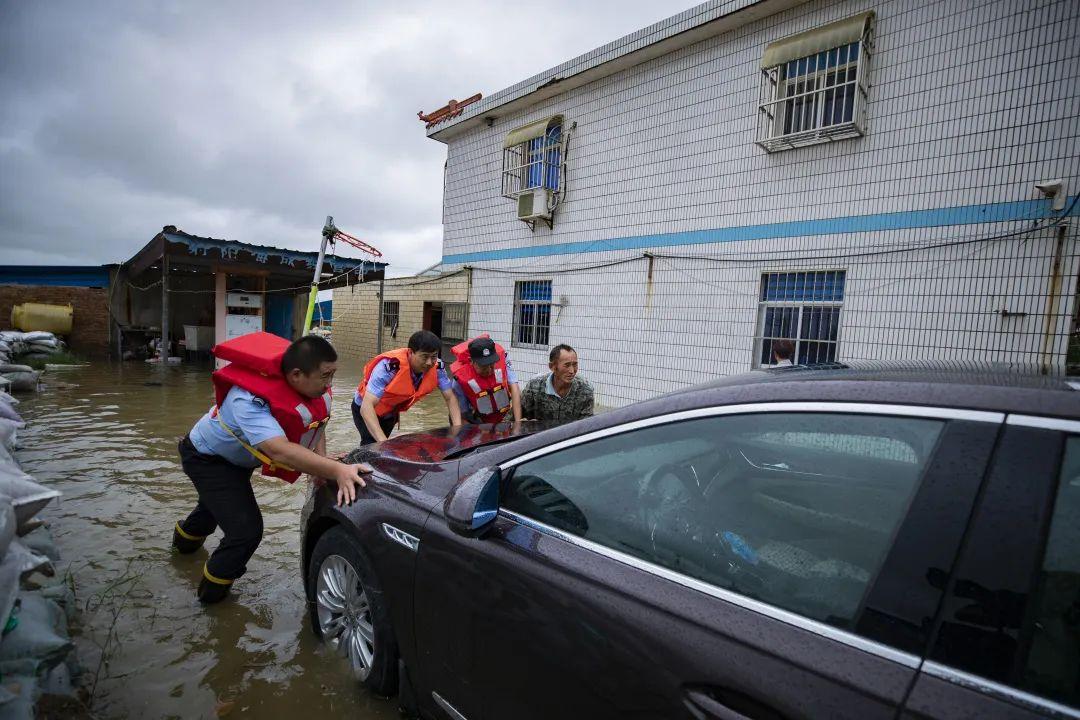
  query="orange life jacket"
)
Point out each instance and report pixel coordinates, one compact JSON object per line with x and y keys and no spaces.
{"x":399,"y":395}
{"x":255,"y":366}
{"x":489,"y":397}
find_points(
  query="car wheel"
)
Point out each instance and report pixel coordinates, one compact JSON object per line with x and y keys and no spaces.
{"x":348,"y":610}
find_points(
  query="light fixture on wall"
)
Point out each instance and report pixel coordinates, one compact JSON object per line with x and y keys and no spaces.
{"x":1054,"y":189}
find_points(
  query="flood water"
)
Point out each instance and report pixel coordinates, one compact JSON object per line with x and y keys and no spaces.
{"x":105,"y":436}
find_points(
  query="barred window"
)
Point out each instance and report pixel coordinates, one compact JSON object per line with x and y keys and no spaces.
{"x":814,"y":86}
{"x":532,"y":313}
{"x":532,"y":158}
{"x":803,"y":307}
{"x":455,"y":320}
{"x":391,"y":314}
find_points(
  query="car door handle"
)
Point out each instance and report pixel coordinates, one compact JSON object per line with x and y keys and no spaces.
{"x":716,"y":704}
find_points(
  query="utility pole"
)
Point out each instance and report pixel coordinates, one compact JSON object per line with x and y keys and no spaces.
{"x":328,"y":232}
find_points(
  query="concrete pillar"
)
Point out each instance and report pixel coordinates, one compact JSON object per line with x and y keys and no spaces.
{"x":164,"y":307}
{"x":220,"y":284}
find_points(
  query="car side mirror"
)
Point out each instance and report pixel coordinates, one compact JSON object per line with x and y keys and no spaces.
{"x":474,"y":502}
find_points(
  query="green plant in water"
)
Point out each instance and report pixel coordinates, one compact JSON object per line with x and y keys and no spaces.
{"x":61,"y":358}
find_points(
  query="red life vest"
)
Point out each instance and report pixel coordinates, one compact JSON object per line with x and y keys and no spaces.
{"x":255,"y":366}
{"x":489,"y":397}
{"x":399,"y":395}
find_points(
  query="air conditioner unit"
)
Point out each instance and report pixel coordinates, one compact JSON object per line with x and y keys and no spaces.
{"x":534,"y":204}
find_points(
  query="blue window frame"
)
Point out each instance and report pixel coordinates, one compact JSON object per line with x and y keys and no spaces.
{"x":542,"y":160}
{"x":532,"y":313}
{"x":803,"y":307}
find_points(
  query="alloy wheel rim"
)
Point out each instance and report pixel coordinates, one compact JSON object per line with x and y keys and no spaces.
{"x":344,"y":614}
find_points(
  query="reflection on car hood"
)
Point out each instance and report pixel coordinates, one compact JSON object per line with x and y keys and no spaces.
{"x":451,"y":442}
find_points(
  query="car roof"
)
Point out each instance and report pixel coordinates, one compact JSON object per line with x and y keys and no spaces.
{"x":1004,"y":388}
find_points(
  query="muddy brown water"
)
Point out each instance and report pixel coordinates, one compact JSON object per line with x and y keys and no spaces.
{"x":105,"y":436}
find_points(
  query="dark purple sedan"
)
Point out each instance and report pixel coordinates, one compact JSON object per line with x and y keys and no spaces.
{"x":845,"y":543}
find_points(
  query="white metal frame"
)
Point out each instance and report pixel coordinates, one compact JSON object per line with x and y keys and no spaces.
{"x":775,"y":106}
{"x":517,"y":160}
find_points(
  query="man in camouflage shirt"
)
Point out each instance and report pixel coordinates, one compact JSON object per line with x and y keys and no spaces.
{"x":559,"y":396}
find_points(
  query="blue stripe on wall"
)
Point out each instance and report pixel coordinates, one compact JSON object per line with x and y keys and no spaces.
{"x":962,"y":215}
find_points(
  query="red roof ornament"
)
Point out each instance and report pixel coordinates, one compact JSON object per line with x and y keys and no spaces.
{"x":450,"y":110}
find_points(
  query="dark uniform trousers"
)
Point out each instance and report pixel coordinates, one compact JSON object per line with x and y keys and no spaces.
{"x":226,"y":500}
{"x":386,"y":423}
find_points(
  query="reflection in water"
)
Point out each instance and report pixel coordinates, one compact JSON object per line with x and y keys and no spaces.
{"x":106,"y":437}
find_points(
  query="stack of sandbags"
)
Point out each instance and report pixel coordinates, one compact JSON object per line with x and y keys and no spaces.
{"x":13,"y":344}
{"x":34,"y":602}
{"x":19,"y":346}
{"x":36,"y":345}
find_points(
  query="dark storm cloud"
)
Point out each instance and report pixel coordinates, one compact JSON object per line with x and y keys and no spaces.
{"x":250,"y":121}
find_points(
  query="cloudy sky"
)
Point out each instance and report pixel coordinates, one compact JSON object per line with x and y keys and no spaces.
{"x":253,"y":120}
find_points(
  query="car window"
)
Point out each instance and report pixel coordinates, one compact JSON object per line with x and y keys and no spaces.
{"x":794,"y":509}
{"x":1052,"y":666}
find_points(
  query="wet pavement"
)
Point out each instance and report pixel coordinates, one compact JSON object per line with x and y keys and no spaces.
{"x":105,"y":436}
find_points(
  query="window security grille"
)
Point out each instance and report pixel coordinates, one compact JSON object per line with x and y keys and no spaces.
{"x":816,"y":98}
{"x":803,"y":307}
{"x":532,"y":313}
{"x":534,"y":164}
{"x":391,"y":314}
{"x":455,"y":320}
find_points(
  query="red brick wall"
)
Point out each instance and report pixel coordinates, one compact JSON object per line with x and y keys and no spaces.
{"x":90,"y":319}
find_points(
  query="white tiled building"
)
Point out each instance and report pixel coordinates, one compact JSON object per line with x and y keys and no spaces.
{"x":860,"y":175}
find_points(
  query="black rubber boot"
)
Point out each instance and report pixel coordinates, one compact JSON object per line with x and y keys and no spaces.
{"x":186,"y":542}
{"x":210,"y":592}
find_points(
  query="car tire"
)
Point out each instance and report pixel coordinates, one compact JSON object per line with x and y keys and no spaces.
{"x":346,"y":619}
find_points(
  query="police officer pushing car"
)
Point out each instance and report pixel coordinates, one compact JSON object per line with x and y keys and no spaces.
{"x":484,"y":381}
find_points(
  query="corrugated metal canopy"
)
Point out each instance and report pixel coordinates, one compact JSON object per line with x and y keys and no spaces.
{"x":817,"y":40}
{"x":531,"y":131}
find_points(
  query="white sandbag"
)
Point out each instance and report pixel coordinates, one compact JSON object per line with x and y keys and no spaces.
{"x":7,"y":524}
{"x":9,"y":589}
{"x":9,"y":399}
{"x":38,"y":335}
{"x":8,"y":432}
{"x":10,"y":336}
{"x":27,"y":560}
{"x":5,"y":346}
{"x":22,"y":381}
{"x":41,"y":542}
{"x":18,"y":695}
{"x":7,"y":412}
{"x":40,"y":635}
{"x":27,"y":497}
{"x":12,"y":368}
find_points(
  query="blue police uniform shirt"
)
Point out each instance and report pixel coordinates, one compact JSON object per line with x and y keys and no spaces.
{"x":463,"y":401}
{"x":246,"y":415}
{"x":381,"y":375}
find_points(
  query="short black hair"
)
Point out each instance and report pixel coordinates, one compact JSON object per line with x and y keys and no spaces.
{"x":783,"y":348}
{"x":424,"y":341}
{"x":307,"y":354}
{"x":557,"y":350}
